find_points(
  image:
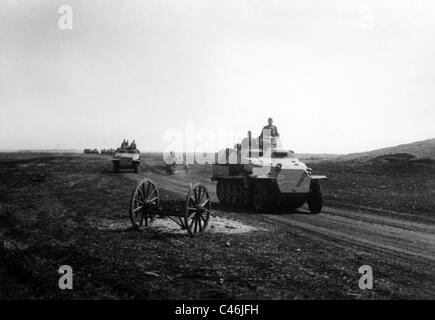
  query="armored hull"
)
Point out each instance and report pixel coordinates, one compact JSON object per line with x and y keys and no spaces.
{"x":266,"y":181}
{"x":126,"y":160}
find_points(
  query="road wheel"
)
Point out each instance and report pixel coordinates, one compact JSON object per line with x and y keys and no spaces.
{"x":315,"y":198}
{"x":220,"y":192}
{"x":247,"y":197}
{"x":240,"y":194}
{"x":227,"y":192}
{"x":116,"y":166}
{"x":261,"y":198}
{"x":234,"y":193}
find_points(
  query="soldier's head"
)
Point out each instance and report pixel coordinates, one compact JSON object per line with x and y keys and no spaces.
{"x":270,"y":121}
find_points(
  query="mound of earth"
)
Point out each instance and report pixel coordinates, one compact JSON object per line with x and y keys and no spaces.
{"x":412,"y":151}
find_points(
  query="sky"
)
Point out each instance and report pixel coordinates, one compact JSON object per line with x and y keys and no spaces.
{"x":337,"y":76}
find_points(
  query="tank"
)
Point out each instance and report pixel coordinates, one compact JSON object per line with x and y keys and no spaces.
{"x":262,"y":179}
{"x":126,"y":159}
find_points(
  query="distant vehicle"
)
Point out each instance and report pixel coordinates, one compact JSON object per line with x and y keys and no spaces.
{"x":109,"y":152}
{"x":90,"y":151}
{"x":126,"y":159}
{"x":171,"y":162}
{"x":263,"y":180}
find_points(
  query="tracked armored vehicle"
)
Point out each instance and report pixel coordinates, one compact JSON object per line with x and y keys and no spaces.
{"x":253,"y":178}
{"x":126,"y":159}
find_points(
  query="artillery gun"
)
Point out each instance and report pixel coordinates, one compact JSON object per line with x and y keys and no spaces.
{"x":262,"y":178}
{"x":192,"y":215}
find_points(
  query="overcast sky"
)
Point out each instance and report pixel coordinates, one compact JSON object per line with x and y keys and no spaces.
{"x":336,"y":76}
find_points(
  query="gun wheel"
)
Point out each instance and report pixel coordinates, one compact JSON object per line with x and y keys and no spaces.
{"x":197,"y":213}
{"x":144,"y":197}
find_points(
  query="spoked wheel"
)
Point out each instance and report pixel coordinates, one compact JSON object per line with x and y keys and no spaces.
{"x":198,"y":206}
{"x":143,"y":198}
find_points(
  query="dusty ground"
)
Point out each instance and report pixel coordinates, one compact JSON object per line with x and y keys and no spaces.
{"x":60,"y":209}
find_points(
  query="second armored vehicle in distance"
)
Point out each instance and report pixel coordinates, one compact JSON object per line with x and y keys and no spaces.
{"x":126,"y":159}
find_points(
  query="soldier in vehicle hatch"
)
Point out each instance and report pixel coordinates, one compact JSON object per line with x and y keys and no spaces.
{"x":123,"y":145}
{"x":133,"y":145}
{"x":273,"y":129}
{"x":271,"y":133}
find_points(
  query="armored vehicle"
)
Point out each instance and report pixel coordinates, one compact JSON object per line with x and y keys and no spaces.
{"x":260,"y":179}
{"x":126,"y":159}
